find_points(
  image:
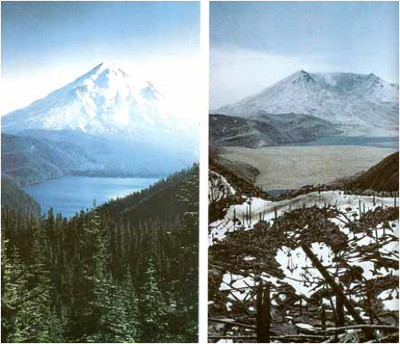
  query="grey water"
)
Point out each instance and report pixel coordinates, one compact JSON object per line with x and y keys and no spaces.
{"x":277,"y":192}
{"x":380,"y":142}
{"x":71,"y":194}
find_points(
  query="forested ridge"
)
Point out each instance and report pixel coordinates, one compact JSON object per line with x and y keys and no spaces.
{"x":13,"y":198}
{"x":126,"y":271}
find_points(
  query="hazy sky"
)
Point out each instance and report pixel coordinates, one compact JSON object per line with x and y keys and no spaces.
{"x":254,"y":44}
{"x":48,"y":44}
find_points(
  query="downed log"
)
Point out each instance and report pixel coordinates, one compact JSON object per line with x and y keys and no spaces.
{"x":387,"y":339}
{"x":232,"y":323}
{"x":337,"y":290}
{"x":231,"y":337}
{"x":356,"y":327}
{"x":360,"y":327}
{"x":284,"y":336}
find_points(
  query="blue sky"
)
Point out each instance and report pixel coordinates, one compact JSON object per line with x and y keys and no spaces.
{"x":54,"y":42}
{"x":254,"y":44}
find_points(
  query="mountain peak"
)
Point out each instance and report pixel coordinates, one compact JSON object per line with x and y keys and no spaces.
{"x":355,"y":102}
{"x":373,"y":76}
{"x":301,"y":75}
{"x":109,"y":67}
{"x":105,"y":100}
{"x":102,"y":71}
{"x":106,"y":65}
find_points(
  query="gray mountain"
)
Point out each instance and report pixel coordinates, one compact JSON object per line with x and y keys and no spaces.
{"x":359,"y":103}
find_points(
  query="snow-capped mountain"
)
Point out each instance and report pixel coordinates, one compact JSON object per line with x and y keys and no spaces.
{"x":103,"y":101}
{"x":360,"y":103}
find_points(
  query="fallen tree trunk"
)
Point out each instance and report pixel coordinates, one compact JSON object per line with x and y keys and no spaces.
{"x":233,"y":323}
{"x":359,"y":327}
{"x":338,"y":291}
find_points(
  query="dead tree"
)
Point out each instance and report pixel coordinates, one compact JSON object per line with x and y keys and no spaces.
{"x":263,"y":317}
{"x":337,"y":290}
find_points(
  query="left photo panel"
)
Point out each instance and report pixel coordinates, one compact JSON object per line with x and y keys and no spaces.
{"x":100,"y":171}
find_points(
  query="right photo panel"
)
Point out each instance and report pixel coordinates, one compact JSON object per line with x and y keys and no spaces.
{"x":303,"y":172}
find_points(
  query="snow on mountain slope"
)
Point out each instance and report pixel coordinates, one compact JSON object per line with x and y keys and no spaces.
{"x":103,"y":101}
{"x":360,"y":103}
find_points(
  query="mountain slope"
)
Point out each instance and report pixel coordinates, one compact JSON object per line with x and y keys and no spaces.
{"x":267,"y":130}
{"x":16,"y":200}
{"x":103,"y":101}
{"x":357,"y":102}
{"x":30,"y":160}
{"x":175,"y":194}
{"x":383,"y":176}
{"x":124,"y":124}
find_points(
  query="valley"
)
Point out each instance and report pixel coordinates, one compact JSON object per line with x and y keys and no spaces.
{"x":291,"y":167}
{"x":102,"y":136}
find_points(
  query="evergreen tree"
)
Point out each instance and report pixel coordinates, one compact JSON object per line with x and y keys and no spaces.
{"x":124,"y":272}
{"x":88,"y":280}
{"x":26,"y":315}
{"x":152,"y":307}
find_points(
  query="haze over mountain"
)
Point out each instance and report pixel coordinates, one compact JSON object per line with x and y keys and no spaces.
{"x":103,"y":101}
{"x":123,"y":125}
{"x":359,"y":103}
{"x":29,"y":160}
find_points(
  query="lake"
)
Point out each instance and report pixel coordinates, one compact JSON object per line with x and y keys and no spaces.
{"x":68,"y":195}
{"x":366,"y":141}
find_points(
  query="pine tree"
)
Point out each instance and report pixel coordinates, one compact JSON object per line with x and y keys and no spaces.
{"x":11,"y":278}
{"x":25,"y":300}
{"x":89,"y":287}
{"x":119,"y":319}
{"x":153,"y":308}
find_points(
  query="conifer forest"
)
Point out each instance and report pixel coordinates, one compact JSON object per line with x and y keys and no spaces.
{"x":125,"y":271}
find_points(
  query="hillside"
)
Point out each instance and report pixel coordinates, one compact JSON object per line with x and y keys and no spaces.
{"x":383,"y":176}
{"x":15,"y":199}
{"x":267,"y":130}
{"x":29,"y":160}
{"x":175,"y":194}
{"x":123,"y":272}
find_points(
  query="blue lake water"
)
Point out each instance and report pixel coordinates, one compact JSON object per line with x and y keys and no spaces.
{"x":69,"y":195}
{"x":382,"y":142}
